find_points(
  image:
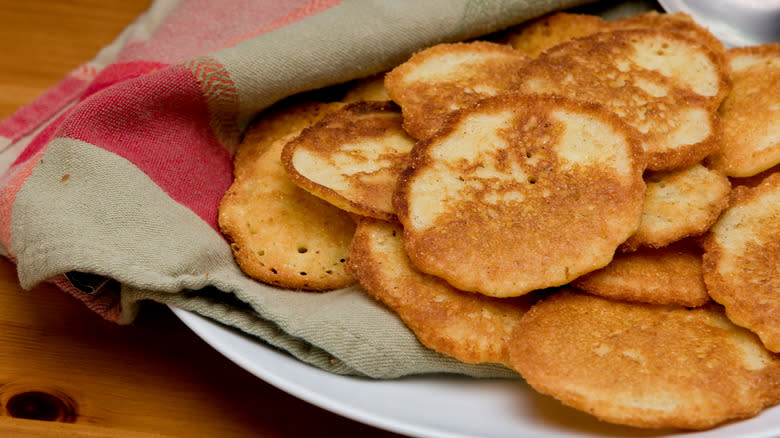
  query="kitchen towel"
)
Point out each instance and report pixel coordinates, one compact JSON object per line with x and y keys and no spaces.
{"x":112,"y":179}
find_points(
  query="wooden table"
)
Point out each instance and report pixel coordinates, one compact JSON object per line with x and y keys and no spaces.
{"x":88,"y":377}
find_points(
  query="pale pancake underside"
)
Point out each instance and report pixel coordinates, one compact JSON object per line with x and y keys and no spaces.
{"x":279,"y":121}
{"x":352,"y":158}
{"x":679,"y":204}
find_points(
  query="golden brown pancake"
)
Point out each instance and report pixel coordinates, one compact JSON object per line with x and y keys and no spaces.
{"x":370,"y":88}
{"x":352,"y":158}
{"x":669,"y":275}
{"x":538,"y":35}
{"x":278,"y":121}
{"x":664,"y":85}
{"x":679,"y":204}
{"x":470,"y":327}
{"x":279,"y":233}
{"x":741,"y":267}
{"x":678,"y":22}
{"x":446,"y":77}
{"x":752,"y":181}
{"x":644,"y":365}
{"x":521,"y":192}
{"x":750,"y":113}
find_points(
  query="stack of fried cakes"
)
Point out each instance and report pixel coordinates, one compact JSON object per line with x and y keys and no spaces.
{"x":594,"y":204}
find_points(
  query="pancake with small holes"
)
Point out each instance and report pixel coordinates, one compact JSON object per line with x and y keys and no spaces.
{"x":279,"y":233}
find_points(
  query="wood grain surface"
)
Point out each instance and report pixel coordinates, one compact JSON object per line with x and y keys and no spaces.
{"x":64,"y":371}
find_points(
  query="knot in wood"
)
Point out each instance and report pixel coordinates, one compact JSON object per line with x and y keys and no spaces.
{"x":21,"y":401}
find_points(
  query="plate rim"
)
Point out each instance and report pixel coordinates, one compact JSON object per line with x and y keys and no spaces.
{"x":211,"y":331}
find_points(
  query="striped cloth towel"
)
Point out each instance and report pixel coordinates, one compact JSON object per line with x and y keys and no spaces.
{"x":111,"y":180}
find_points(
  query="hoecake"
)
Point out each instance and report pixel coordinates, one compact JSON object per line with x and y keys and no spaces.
{"x":538,"y":35}
{"x":742,"y":259}
{"x":521,"y":192}
{"x":467,"y":326}
{"x":666,"y":86}
{"x":643,"y":365}
{"x":446,"y":77}
{"x":750,"y":113}
{"x":279,"y":233}
{"x":352,"y":158}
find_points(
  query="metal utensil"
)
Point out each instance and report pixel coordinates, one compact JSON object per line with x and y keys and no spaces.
{"x":735,"y":22}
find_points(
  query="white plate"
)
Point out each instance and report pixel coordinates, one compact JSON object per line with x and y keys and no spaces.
{"x":736,"y":22}
{"x":437,"y":406}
